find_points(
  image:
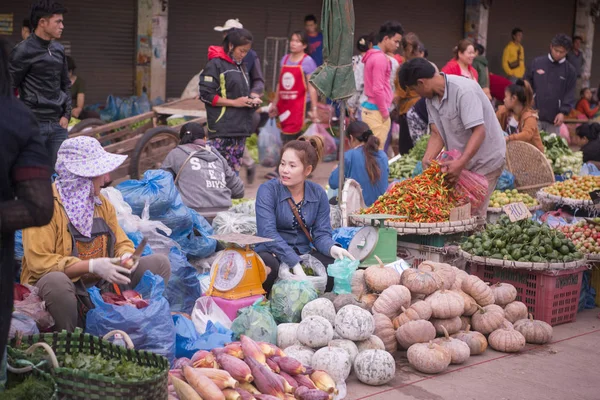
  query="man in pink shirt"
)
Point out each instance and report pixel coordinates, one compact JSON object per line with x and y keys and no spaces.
{"x":378,"y":68}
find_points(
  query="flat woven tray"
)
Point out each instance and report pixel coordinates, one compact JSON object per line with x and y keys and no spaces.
{"x":545,"y":197}
{"x":419,"y":228}
{"x":494,"y":210}
{"x":530,"y":167}
{"x":523,"y":265}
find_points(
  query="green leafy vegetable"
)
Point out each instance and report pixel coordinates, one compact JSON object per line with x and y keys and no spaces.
{"x":32,"y":388}
{"x":112,"y":367}
{"x":562,"y":158}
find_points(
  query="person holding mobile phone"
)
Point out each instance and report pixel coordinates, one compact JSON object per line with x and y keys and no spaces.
{"x":83,"y":245}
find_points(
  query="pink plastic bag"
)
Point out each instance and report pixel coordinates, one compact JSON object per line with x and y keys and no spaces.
{"x":33,"y":306}
{"x":470,"y":184}
{"x":321,"y":130}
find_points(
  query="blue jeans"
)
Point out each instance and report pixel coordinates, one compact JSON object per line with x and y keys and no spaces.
{"x":53,"y":135}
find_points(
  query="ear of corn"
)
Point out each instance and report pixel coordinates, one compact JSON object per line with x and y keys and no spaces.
{"x":323,"y":381}
{"x":252,"y":350}
{"x":265,"y":380}
{"x":237,"y":368}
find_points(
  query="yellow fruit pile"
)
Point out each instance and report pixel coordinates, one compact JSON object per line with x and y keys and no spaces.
{"x":502,"y":198}
{"x":578,"y":187}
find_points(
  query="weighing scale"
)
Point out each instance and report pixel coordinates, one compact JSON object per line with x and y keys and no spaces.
{"x":376,"y":241}
{"x":238,"y":272}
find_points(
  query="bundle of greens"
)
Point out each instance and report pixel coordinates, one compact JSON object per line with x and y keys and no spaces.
{"x":404,"y":167}
{"x":562,"y":158}
{"x":112,"y":367}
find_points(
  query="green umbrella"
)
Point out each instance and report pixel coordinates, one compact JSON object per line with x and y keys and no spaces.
{"x":335,"y":78}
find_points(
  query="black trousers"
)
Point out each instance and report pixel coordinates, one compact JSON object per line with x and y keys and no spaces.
{"x":405,"y":142}
{"x":272,"y":262}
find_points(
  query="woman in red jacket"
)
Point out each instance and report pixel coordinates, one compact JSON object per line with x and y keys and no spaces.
{"x":462,"y":63}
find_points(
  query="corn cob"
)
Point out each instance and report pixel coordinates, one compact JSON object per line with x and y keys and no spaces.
{"x":220,"y":377}
{"x":267,"y":349}
{"x":304,"y":380}
{"x":245,"y":394}
{"x":251,"y":349}
{"x":273,"y":365}
{"x":238,"y":369}
{"x":231,"y":394}
{"x":267,"y":397}
{"x":185,"y":391}
{"x":248,"y":387}
{"x":311,"y":394}
{"x":292,"y":382}
{"x":204,"y":359}
{"x":265,"y":380}
{"x":202,"y":384}
{"x":323,"y":381}
{"x":290,"y":365}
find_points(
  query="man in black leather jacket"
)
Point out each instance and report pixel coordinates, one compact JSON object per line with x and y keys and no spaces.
{"x":38,"y":68}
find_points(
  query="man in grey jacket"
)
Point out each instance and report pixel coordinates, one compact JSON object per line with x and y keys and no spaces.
{"x":205,"y":180}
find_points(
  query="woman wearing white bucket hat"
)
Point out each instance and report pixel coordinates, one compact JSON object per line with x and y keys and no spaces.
{"x":83,"y":245}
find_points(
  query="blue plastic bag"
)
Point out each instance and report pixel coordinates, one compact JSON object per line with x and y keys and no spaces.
{"x":506,"y":181}
{"x":156,"y":187}
{"x":18,"y":244}
{"x":184,"y":287}
{"x":589,"y":169}
{"x":269,"y":144}
{"x":150,"y":328}
{"x":587,"y":298}
{"x":111,"y":109}
{"x":342,"y":271}
{"x":195,"y":241}
{"x":418,"y":169}
{"x":186,"y":337}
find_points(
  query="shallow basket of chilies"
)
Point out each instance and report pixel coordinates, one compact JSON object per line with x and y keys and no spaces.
{"x":80,"y":384}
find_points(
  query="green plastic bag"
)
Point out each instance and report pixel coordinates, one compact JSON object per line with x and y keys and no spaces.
{"x":342,"y":271}
{"x":288,"y":298}
{"x":256,"y":322}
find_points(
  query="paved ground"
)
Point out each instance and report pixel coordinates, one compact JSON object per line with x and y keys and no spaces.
{"x":566,"y":369}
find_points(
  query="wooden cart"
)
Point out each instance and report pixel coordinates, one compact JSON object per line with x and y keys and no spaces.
{"x":145,"y":138}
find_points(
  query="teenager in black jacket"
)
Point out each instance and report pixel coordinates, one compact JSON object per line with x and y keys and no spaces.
{"x":38,"y":67}
{"x":225,"y":89}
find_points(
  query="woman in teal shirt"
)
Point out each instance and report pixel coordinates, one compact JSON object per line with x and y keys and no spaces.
{"x":364,"y":163}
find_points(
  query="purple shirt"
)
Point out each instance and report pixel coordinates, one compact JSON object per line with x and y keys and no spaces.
{"x":308,"y":67}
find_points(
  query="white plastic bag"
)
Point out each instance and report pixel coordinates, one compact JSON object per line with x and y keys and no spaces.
{"x":227,"y":222}
{"x":269,"y":144}
{"x":319,"y":280}
{"x":207,"y":310}
{"x":130,"y":222}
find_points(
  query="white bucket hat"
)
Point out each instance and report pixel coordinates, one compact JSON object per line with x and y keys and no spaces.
{"x":84,"y":156}
{"x":229,"y":24}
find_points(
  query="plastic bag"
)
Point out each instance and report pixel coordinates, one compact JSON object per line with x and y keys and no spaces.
{"x":246,"y":208}
{"x":319,"y":279}
{"x":23,"y":324}
{"x":335,"y":214}
{"x":111,"y":109}
{"x":33,"y":306}
{"x":269,"y":144}
{"x":186,"y":337}
{"x":134,"y":226}
{"x":150,"y":328}
{"x":156,"y":188}
{"x":227,"y":222}
{"x":18,"y":244}
{"x":321,"y":130}
{"x":506,"y":181}
{"x":418,"y":169}
{"x":587,"y":298}
{"x":184,"y":288}
{"x":256,"y":322}
{"x":342,"y":271}
{"x":206,"y":310}
{"x":472,"y":185}
{"x":196,"y":241}
{"x":589,"y":169}
{"x":289,"y":297}
{"x":136,"y":238}
{"x":216,"y":335}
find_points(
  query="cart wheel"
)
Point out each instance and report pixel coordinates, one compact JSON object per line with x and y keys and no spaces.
{"x":152,"y":149}
{"x":86,"y":124}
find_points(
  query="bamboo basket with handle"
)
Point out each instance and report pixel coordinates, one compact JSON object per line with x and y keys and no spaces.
{"x":530,"y":167}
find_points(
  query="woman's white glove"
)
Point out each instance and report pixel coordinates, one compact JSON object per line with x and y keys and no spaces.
{"x":107,"y":270}
{"x":339,"y":253}
{"x":297,"y":270}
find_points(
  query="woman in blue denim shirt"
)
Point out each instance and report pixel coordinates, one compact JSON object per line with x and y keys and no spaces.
{"x":276,"y":220}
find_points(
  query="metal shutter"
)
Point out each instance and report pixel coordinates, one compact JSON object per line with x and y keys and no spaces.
{"x":540,"y":21}
{"x":595,"y":78}
{"x":191,"y":30}
{"x":103,"y":45}
{"x":20,"y":10}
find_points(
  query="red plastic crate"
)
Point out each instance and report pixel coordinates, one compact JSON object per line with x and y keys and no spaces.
{"x":552,"y":297}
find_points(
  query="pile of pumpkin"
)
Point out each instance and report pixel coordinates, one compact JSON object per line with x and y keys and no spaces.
{"x":441,"y":315}
{"x":248,"y":370}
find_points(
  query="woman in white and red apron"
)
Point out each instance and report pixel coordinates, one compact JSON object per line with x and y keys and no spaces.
{"x":295,"y":97}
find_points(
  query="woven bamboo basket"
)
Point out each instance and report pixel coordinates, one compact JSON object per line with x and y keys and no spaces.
{"x":540,"y":266}
{"x":421,"y":228}
{"x":80,"y":384}
{"x":530,"y":167}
